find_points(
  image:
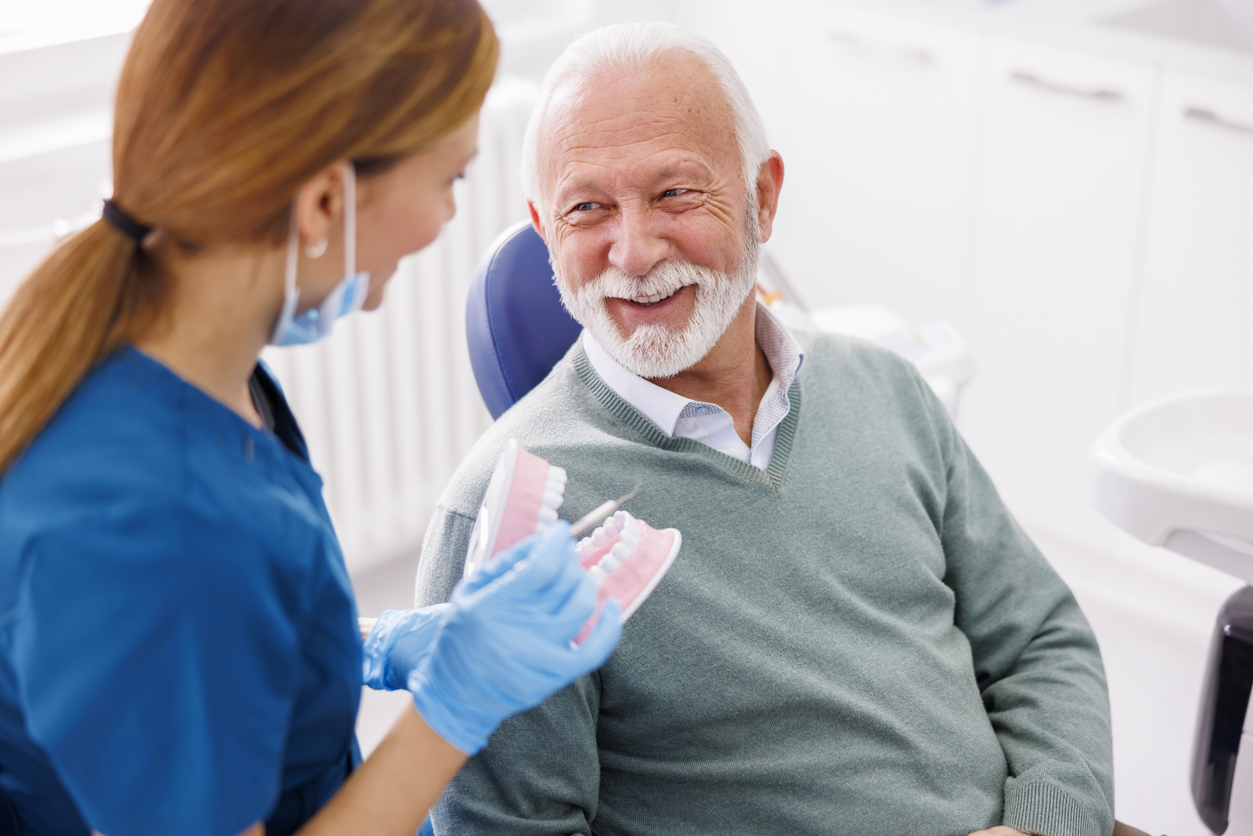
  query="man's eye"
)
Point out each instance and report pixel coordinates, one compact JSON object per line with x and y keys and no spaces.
{"x":585,"y":207}
{"x":673,"y":192}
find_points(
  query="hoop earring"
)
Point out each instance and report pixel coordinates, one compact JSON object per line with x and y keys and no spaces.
{"x":316,"y":250}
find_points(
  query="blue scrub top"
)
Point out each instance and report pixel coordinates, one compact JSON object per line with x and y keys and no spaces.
{"x":178,"y":641}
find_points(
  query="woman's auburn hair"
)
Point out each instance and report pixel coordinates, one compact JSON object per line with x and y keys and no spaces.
{"x":224,"y":108}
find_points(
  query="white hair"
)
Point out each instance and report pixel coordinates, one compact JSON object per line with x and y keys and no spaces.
{"x":628,"y":48}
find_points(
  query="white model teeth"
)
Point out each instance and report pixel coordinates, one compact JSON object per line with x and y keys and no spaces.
{"x":610,"y":562}
{"x":551,"y":498}
{"x":622,"y":531}
{"x":631,"y":533}
{"x":655,"y":298}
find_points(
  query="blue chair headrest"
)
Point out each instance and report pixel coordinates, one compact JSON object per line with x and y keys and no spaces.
{"x":516,"y":327}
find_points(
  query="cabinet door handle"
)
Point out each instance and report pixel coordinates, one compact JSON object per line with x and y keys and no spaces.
{"x":1100,"y":94}
{"x":1202,"y":114}
{"x":914,"y":56}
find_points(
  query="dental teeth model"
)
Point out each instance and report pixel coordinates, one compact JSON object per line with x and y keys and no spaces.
{"x":625,"y":556}
{"x":522,"y":499}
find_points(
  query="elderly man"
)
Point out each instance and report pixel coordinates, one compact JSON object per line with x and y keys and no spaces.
{"x":856,"y":637}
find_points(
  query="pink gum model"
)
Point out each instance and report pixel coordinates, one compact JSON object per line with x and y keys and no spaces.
{"x":522,"y":499}
{"x":627,"y":558}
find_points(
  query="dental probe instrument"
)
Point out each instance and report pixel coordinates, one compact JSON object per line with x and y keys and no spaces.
{"x":599,"y":514}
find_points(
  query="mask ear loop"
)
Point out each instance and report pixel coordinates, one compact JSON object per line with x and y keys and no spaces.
{"x":350,"y":220}
{"x":290,"y":294}
{"x":293,"y":252}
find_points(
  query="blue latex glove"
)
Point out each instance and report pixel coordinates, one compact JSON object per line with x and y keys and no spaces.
{"x":401,"y":640}
{"x":398,"y":644}
{"x":505,"y":644}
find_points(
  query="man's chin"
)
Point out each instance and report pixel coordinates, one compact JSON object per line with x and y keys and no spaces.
{"x":654,"y":356}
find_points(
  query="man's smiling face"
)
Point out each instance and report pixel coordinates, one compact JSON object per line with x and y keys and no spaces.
{"x":650,"y":224}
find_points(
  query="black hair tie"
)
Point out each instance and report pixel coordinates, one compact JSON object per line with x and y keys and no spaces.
{"x":124,"y":223}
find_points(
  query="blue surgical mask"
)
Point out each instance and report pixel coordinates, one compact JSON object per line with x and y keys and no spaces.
{"x":348,"y":296}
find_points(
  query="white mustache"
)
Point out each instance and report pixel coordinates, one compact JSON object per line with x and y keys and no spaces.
{"x":663,"y":280}
{"x":661,"y":350}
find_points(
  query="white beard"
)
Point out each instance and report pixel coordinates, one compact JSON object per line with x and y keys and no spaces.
{"x":655,"y":351}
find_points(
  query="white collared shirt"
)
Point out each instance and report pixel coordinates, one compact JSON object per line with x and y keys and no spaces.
{"x":708,"y":423}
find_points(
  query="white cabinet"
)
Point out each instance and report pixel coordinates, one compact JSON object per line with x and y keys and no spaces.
{"x":879,"y":154}
{"x":1194,"y":312}
{"x":754,"y":51}
{"x":1065,"y":143}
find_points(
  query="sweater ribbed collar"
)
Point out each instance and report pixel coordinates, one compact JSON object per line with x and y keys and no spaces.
{"x":617,"y":406}
{"x":664,"y":408}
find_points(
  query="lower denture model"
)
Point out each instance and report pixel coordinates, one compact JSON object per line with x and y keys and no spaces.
{"x":625,"y":556}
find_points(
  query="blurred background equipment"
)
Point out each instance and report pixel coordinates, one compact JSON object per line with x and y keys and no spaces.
{"x":1178,"y":474}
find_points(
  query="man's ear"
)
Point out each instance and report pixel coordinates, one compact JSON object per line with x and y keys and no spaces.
{"x":535,"y":221}
{"x":769,"y":184}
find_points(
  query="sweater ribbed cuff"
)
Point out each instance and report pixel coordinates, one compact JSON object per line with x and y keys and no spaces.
{"x":1047,"y":810}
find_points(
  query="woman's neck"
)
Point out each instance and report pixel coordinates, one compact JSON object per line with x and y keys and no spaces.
{"x":218,"y":315}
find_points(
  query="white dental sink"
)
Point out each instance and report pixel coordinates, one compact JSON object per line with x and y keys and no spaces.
{"x":1178,"y":473}
{"x":1223,"y":23}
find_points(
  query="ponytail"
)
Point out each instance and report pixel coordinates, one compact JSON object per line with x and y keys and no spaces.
{"x":86,"y":299}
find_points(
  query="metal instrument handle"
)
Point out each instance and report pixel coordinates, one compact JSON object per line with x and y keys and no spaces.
{"x":599,"y":514}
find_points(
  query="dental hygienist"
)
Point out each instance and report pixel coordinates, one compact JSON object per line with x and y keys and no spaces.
{"x":179,"y":649}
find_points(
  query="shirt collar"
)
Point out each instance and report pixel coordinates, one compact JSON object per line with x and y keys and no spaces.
{"x":663,"y":407}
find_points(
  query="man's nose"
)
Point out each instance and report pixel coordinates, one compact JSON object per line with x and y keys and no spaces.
{"x":639,"y":245}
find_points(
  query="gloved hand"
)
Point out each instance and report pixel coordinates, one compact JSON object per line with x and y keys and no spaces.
{"x":399,"y":641}
{"x":505,"y":644}
{"x":398,"y":644}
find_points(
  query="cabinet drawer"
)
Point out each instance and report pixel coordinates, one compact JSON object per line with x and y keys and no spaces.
{"x":1196,"y":294}
{"x":1065,"y":142}
{"x":880,"y":159}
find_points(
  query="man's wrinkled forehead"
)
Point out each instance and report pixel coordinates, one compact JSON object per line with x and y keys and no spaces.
{"x":676,"y":101}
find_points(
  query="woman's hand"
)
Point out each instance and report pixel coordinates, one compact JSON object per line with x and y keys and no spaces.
{"x":397,"y":643}
{"x":507,"y":641}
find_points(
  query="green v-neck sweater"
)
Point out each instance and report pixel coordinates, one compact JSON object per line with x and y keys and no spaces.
{"x":857,"y":640}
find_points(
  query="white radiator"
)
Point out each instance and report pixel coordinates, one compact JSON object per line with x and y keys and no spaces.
{"x":388,"y":403}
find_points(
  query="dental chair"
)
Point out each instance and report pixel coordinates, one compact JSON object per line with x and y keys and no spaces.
{"x":1178,"y":474}
{"x":516,"y":327}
